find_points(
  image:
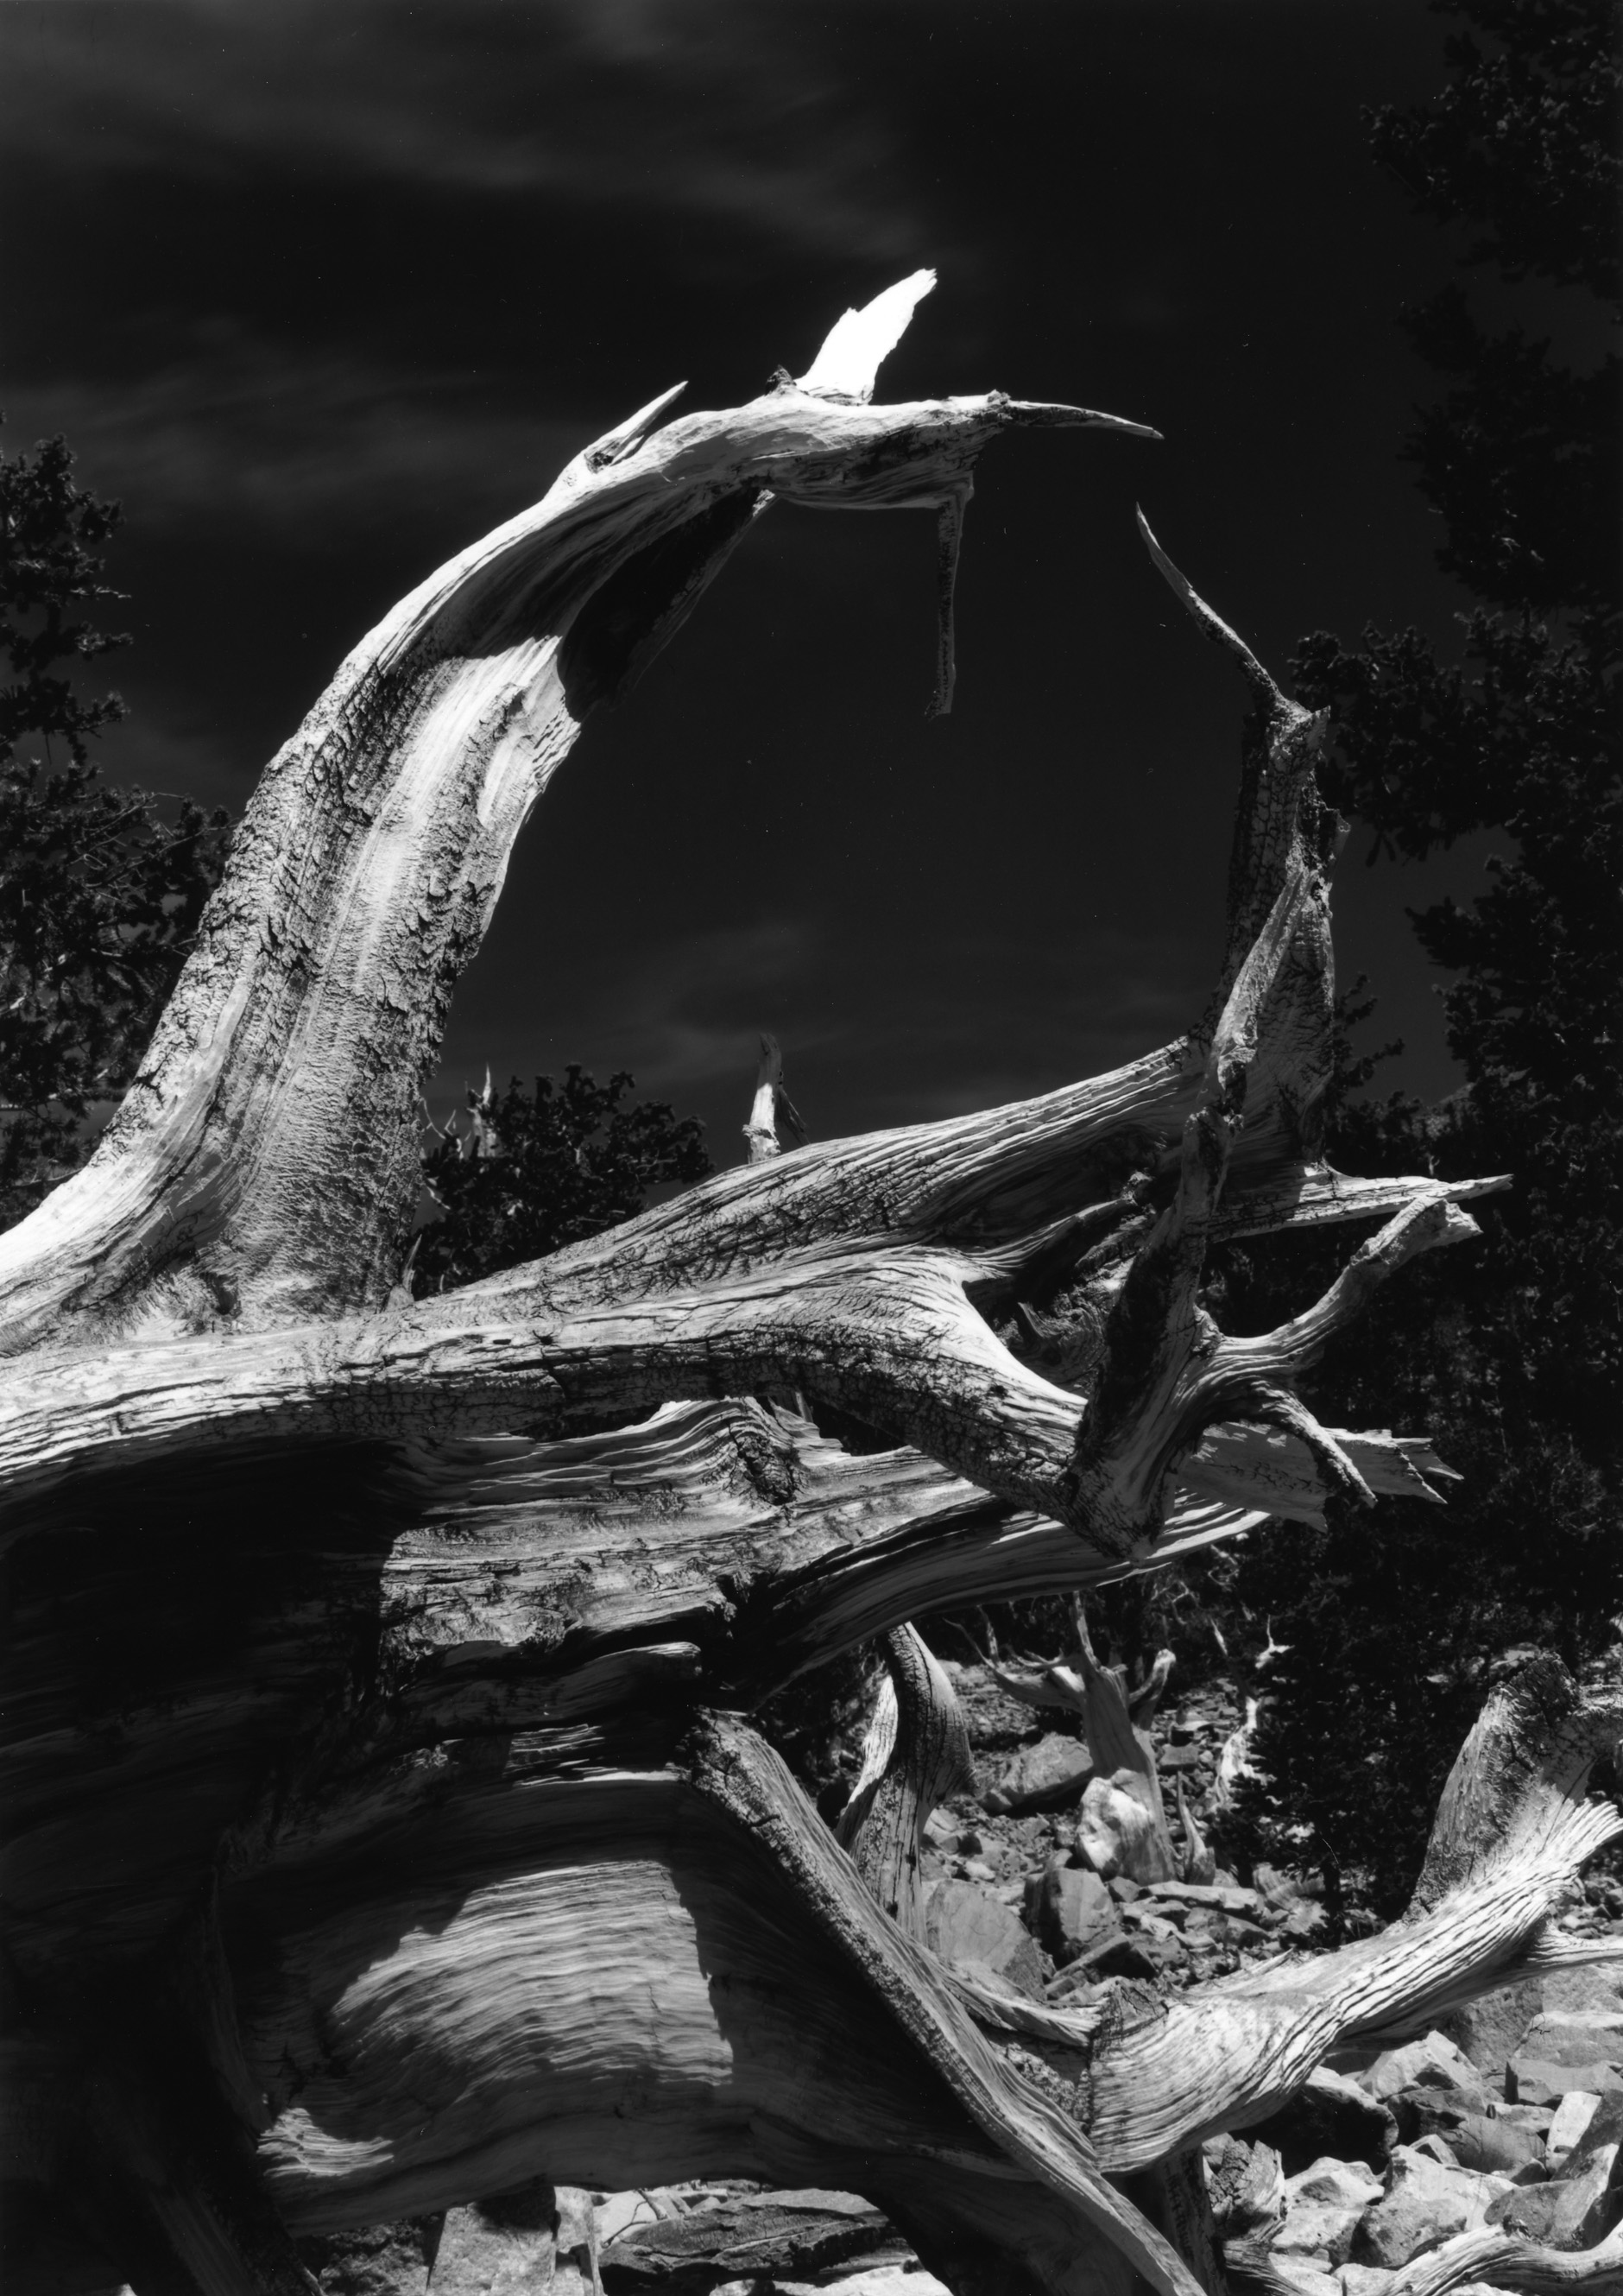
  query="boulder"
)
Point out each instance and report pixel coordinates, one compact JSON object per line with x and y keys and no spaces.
{"x":1325,"y":2205}
{"x":1432,"y":2062}
{"x":1426,"y":2203}
{"x":1567,"y":2049}
{"x":1119,"y":1833}
{"x":1591,"y":1989}
{"x":1569,"y":2121}
{"x":1544,"y":2080}
{"x":1329,"y":2114}
{"x":1489,"y":2031}
{"x":1578,"y":2209}
{"x":1043,"y":1776}
{"x":1585,"y":2200}
{"x":1486,"y":2142}
{"x":529,"y":2243}
{"x":968,"y":1926}
{"x":1069,"y":1908}
{"x":1567,"y":2036}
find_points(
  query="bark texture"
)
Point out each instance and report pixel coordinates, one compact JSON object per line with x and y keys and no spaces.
{"x":387,"y":1831}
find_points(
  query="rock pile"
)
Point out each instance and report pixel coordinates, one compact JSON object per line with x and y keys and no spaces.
{"x":1022,"y":1838}
{"x":1510,"y":2120}
{"x":1466,"y":2153}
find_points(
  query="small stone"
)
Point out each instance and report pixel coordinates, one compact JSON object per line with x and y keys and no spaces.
{"x":1325,"y":2205}
{"x":1433,"y":2062}
{"x":1073,"y":1910}
{"x":1300,"y":2277}
{"x":1118,"y":1831}
{"x":1435,"y":2149}
{"x":1535,"y":2118}
{"x":1363,"y":2280}
{"x":968,"y":1925}
{"x":1048,"y":1775}
{"x":381,"y":2260}
{"x":1119,"y":1957}
{"x":1227,"y":1900}
{"x":1426,"y":2203}
{"x":1538,"y":2080}
{"x":515,"y":2243}
{"x":1341,"y":2183}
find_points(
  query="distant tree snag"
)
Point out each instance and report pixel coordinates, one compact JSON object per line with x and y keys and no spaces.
{"x":390,"y":1829}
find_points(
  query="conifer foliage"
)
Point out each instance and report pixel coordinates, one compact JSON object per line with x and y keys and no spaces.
{"x":1511,"y":1352}
{"x":535,"y":1170}
{"x":100,"y":892}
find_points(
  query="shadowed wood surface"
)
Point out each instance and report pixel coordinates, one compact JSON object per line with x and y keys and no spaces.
{"x":387,"y":1827}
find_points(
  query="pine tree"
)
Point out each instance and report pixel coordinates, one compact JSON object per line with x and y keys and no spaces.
{"x":100,"y":894}
{"x":536,"y":1170}
{"x":1512,"y":1352}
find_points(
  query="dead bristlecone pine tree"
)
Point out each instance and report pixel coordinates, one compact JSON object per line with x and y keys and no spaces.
{"x":390,"y":1830}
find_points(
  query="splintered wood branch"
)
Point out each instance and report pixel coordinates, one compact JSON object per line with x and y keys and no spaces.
{"x":915,"y":1753}
{"x":672,"y":1884}
{"x":1491,"y":2258}
{"x":1512,"y":1830}
{"x":1040,"y":2141}
{"x":889,"y":1335}
{"x":415,"y":1639}
{"x":771,"y":1108}
{"x":264,"y":1166}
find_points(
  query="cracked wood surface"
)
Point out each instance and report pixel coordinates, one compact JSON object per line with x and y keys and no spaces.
{"x":384,"y":1814}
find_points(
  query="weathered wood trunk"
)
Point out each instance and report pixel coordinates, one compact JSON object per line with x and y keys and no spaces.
{"x":387,"y":1829}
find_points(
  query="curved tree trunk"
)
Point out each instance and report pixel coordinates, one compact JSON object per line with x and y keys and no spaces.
{"x":387,"y":1828}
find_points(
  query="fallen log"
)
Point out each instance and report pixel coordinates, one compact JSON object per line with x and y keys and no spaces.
{"x":387,"y":1831}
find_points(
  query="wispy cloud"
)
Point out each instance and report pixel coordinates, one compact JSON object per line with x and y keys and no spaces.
{"x":721,"y":107}
{"x":251,"y":427}
{"x":875,"y":1035}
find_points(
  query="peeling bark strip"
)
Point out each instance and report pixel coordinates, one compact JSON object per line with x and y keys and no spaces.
{"x":387,"y":1829}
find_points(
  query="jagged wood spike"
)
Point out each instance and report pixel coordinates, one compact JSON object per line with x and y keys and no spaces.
{"x":915,"y":1753}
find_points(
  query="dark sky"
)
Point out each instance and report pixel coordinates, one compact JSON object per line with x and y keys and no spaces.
{"x":322,"y":291}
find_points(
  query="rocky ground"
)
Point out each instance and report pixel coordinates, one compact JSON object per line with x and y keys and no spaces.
{"x":1511,"y":2118}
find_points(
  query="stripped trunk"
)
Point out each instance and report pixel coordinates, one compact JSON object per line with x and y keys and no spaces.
{"x":388,"y":1827}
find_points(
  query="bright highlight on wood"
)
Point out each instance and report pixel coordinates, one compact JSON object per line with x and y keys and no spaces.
{"x":393,"y":1828}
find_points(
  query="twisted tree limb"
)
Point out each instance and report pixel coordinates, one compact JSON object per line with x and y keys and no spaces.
{"x":371,"y":1629}
{"x":916,"y":1753}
